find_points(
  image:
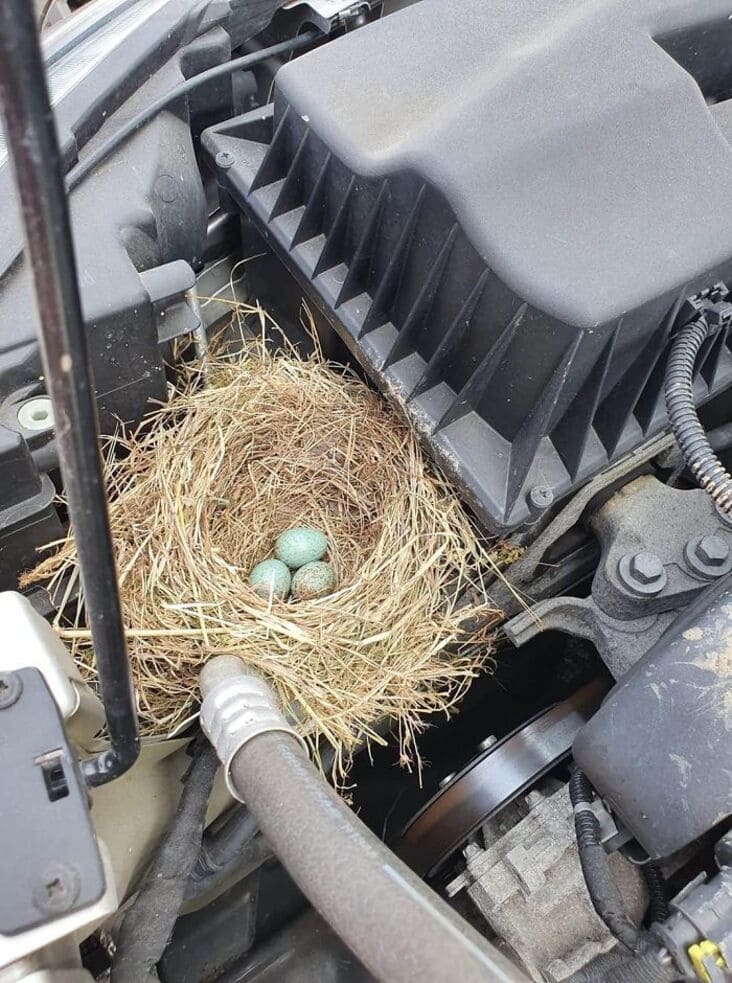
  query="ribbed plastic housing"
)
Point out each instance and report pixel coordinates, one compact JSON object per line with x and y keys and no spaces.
{"x":515,"y":296}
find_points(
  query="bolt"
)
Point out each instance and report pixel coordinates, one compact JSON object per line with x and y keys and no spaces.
{"x":712,"y":550}
{"x":723,"y":514}
{"x":447,"y":779}
{"x":541,"y":497}
{"x":646,"y":568}
{"x":642,"y":573}
{"x":36,"y":414}
{"x":488,"y":742}
{"x":57,"y":890}
{"x":708,"y":556}
{"x":224,"y":159}
{"x":11,"y":686}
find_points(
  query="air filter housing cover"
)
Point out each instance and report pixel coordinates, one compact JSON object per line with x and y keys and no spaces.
{"x":501,"y":205}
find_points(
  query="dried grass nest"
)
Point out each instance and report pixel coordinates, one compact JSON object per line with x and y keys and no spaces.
{"x":199,"y":495}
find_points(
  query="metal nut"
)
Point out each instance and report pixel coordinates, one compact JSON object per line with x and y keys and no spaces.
{"x":57,"y":889}
{"x":11,"y":686}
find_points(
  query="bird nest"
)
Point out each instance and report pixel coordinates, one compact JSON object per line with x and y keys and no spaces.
{"x":198,"y":496}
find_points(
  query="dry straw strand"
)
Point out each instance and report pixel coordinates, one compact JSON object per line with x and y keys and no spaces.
{"x":198,"y":497}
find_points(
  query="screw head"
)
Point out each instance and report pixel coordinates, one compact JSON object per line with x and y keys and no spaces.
{"x":642,"y":573}
{"x":447,"y":779}
{"x":11,"y":686}
{"x":36,"y":414}
{"x":541,"y":497}
{"x":709,"y":555}
{"x":224,"y":159}
{"x":57,"y":889}
{"x":488,"y":742}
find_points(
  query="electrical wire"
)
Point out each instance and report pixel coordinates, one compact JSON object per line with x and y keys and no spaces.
{"x":97,"y":156}
{"x":696,"y":449}
{"x":601,"y":887}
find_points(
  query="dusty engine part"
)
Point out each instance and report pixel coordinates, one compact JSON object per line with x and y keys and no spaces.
{"x":666,"y":724}
{"x":649,"y":570}
{"x":500,"y":773}
{"x":524,"y":876}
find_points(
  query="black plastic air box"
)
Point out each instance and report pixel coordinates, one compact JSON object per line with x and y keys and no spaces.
{"x":500,"y":205}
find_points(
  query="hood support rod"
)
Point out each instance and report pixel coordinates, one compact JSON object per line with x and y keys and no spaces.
{"x":34,"y":151}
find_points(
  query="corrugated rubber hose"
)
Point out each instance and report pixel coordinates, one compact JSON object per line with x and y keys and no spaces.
{"x":601,"y":886}
{"x":149,"y":922}
{"x":701,"y":460}
{"x":658,"y":910}
{"x":614,"y":967}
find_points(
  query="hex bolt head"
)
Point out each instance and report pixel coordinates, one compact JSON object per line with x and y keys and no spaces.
{"x":446,"y":780}
{"x":724,"y":515}
{"x":712,"y":550}
{"x":11,"y":686}
{"x":224,"y":159}
{"x":709,"y":555}
{"x":642,"y":573}
{"x":646,"y":568}
{"x":488,"y":742}
{"x":57,"y":889}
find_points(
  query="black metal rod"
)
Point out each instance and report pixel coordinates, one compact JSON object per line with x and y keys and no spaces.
{"x":33,"y":147}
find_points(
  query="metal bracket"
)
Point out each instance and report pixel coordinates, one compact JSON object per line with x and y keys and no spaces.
{"x":620,"y":619}
{"x":52,"y":867}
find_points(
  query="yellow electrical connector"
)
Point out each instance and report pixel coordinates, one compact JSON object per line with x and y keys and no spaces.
{"x":701,"y":951}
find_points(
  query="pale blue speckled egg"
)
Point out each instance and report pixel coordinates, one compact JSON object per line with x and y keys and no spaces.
{"x":271,"y":577}
{"x":299,"y":546}
{"x":313,"y":580}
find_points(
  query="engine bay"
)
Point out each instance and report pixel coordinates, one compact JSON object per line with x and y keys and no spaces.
{"x":495,"y":232}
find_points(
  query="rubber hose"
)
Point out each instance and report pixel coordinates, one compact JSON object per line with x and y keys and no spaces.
{"x":601,"y":886}
{"x":224,"y":840}
{"x":646,"y":967}
{"x":701,"y":460}
{"x":390,"y":919}
{"x":597,"y":970}
{"x":149,"y":922}
{"x":657,"y":900}
{"x":231,"y":846}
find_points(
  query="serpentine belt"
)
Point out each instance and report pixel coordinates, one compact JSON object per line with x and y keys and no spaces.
{"x":494,"y":779}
